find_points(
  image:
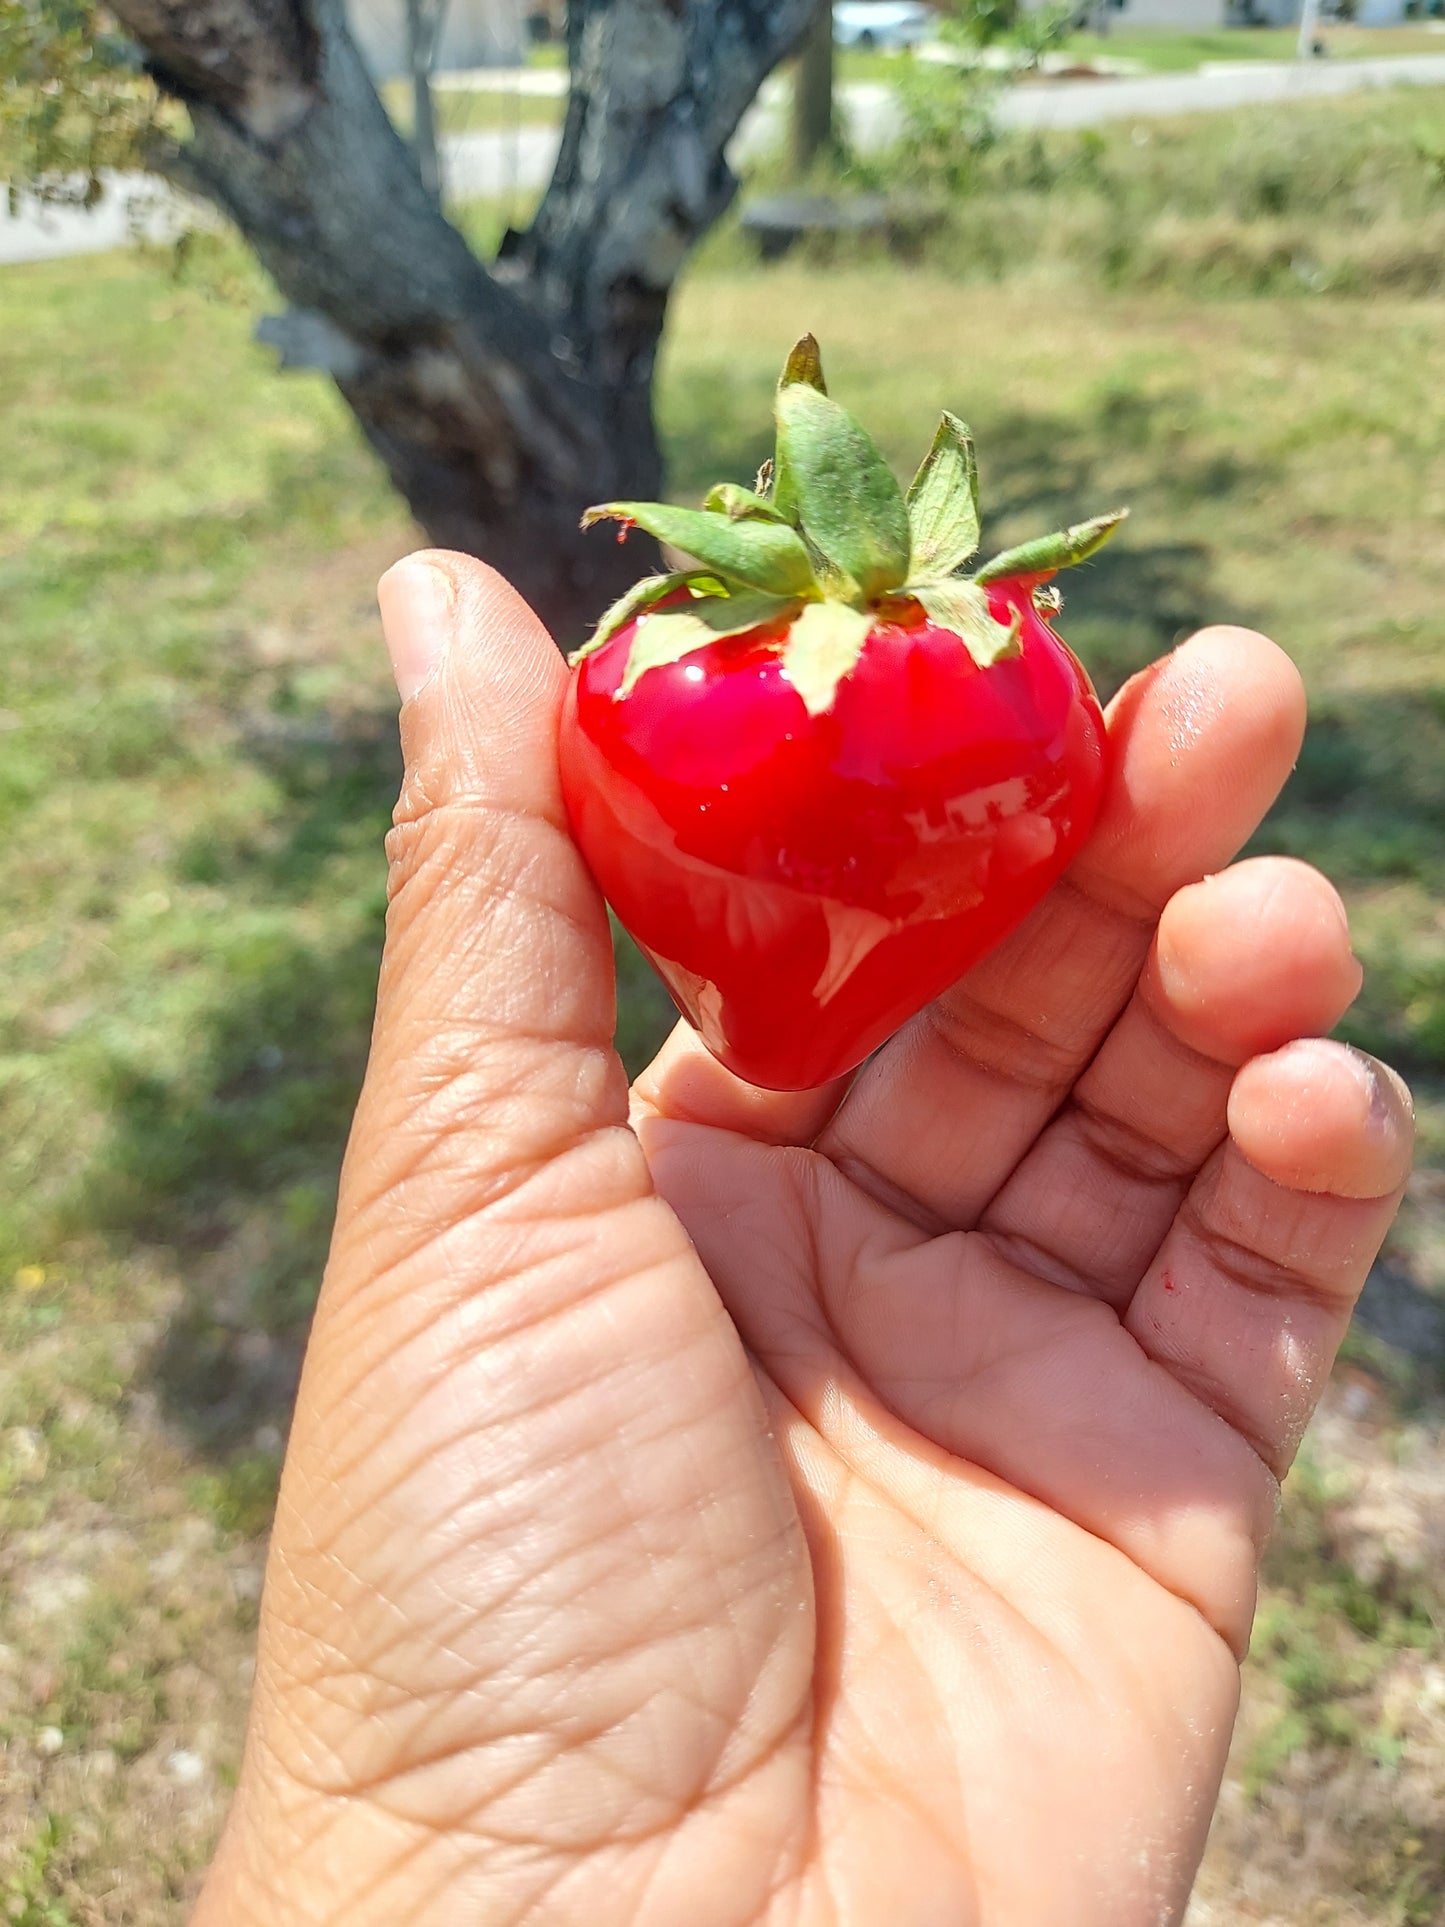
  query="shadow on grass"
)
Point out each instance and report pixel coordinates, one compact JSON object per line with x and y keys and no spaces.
{"x":233,"y":1162}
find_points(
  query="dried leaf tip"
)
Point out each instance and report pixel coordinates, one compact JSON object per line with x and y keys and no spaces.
{"x":804,"y":364}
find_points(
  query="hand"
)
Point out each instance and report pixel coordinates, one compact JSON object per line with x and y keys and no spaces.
{"x":838,"y":1508}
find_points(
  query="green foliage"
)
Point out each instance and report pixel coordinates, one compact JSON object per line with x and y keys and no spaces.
{"x":1028,"y":30}
{"x":946,"y":129}
{"x":73,"y":100}
{"x":27,"y":1904}
{"x":239,"y":1495}
{"x":1327,"y":1631}
{"x":106,"y":1693}
{"x":1338,"y":197}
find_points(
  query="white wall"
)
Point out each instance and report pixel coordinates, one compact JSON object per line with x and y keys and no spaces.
{"x":1189,"y":16}
{"x":1203,"y":16}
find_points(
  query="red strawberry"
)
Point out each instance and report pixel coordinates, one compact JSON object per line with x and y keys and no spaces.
{"x":820,"y":774}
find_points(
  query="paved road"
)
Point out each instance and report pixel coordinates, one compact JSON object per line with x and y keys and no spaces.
{"x":133,"y":204}
{"x":499,"y":163}
{"x":503,"y":163}
{"x":1235,"y":83}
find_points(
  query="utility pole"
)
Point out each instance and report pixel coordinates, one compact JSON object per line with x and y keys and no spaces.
{"x":813,"y":91}
{"x":1309,"y":21}
{"x":423,"y":33}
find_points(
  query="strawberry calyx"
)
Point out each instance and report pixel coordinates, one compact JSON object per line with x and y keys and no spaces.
{"x":825,"y":545}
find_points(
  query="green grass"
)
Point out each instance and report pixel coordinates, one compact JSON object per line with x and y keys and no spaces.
{"x":1331,"y":197}
{"x":198,"y":767}
{"x":862,"y":63}
{"x":1162,"y":50}
{"x":477,"y":110}
{"x":26,"y":1903}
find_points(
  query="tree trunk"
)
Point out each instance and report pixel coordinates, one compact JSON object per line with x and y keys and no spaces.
{"x":813,"y":92}
{"x":502,"y":400}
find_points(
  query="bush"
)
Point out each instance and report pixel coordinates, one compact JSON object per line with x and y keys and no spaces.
{"x":1337,"y":197}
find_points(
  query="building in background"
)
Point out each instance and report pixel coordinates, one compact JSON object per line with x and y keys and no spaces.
{"x":475,"y":33}
{"x":1187,"y":16}
{"x":1206,"y":16}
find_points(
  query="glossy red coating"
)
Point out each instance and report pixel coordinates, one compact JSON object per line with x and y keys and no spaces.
{"x":804,"y":884}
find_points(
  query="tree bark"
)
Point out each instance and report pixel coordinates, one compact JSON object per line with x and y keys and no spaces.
{"x":813,"y":92}
{"x":502,"y":399}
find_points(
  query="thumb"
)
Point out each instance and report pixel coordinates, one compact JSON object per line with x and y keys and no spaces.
{"x":492,"y":1042}
{"x":529,"y":1498}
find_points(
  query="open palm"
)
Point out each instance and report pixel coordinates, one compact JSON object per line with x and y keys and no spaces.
{"x":829,"y":1508}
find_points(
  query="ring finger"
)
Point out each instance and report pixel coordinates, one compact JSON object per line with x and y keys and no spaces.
{"x":1242,"y":963}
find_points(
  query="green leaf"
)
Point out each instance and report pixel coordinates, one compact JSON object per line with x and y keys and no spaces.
{"x":844,"y":493}
{"x":762,"y":555}
{"x":739,"y":504}
{"x":822,"y":646}
{"x":804,"y":365}
{"x":943,"y":504}
{"x":962,"y":607}
{"x":1046,"y":554}
{"x":652,"y":588}
{"x":667,"y":635}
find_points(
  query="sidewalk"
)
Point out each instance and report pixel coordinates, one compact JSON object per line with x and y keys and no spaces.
{"x":507,"y":163}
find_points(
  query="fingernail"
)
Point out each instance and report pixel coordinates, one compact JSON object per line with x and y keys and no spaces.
{"x":416,"y":602}
{"x":1382,"y":1117}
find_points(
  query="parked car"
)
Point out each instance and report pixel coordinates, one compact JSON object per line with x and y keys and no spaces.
{"x":885,"y":25}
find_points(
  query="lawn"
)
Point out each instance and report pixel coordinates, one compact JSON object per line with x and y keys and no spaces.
{"x":477,"y":110}
{"x":198,"y":766}
{"x":1163,"y":50}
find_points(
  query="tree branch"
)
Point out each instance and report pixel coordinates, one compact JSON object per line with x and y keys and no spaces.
{"x":658,"y":88}
{"x":502,"y":402}
{"x":257,"y":58}
{"x":451,"y":375}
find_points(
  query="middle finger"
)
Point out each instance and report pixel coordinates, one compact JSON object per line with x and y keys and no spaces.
{"x":1242,"y":963}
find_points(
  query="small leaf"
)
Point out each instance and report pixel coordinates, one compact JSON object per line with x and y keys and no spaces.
{"x":763,"y":555}
{"x":943,"y":504}
{"x":739,"y":504}
{"x":962,"y":607}
{"x":652,"y":588}
{"x":667,"y":635}
{"x":822,"y":646}
{"x":1046,"y":554}
{"x":843,"y":492}
{"x":804,"y":364}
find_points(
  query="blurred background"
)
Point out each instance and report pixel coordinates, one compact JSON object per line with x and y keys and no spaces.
{"x":278,"y":283}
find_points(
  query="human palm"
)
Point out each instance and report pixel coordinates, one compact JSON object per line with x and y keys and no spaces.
{"x":823,"y":1508}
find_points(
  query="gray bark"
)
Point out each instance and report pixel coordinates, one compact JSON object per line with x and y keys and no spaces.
{"x":504,"y":398}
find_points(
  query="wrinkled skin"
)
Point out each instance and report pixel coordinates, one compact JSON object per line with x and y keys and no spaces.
{"x":832,"y":1508}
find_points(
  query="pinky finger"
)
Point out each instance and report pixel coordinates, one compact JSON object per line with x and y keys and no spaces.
{"x":1251,"y":1292}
